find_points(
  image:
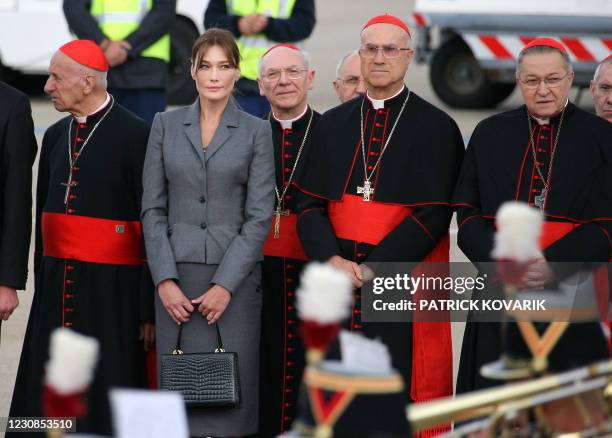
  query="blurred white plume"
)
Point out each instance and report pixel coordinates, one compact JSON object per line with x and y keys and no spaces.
{"x":72,"y":360}
{"x":518,"y":232}
{"x":325,"y":294}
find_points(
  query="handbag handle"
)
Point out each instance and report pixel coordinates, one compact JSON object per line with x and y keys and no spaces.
{"x":178,"y":350}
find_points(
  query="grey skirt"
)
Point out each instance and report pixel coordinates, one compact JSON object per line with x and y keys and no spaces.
{"x":240,"y":330}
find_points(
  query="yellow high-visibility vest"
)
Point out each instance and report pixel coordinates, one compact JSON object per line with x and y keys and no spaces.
{"x":252,"y":47}
{"x":119,"y":18}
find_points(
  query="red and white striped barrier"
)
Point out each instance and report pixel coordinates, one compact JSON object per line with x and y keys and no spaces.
{"x":507,"y":47}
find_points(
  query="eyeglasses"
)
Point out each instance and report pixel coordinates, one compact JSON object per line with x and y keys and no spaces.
{"x":389,"y":51}
{"x":294,"y":73}
{"x":550,"y":82}
{"x":351,"y":81}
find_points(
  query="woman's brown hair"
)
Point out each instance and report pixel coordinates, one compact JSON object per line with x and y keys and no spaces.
{"x":215,"y":37}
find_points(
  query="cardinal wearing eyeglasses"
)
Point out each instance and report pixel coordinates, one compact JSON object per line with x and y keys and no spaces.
{"x":285,"y":77}
{"x":377,"y":185}
{"x":557,"y":158}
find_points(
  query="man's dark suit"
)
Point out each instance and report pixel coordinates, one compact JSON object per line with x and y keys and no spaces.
{"x":17,"y":153}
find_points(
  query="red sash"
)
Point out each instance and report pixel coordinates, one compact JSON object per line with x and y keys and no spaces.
{"x":288,"y":243}
{"x":553,"y":231}
{"x":91,"y":239}
{"x":367,"y":222}
{"x":432,"y":353}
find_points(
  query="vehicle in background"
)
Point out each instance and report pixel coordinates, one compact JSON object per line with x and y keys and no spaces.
{"x":472,"y":45}
{"x":32,"y":30}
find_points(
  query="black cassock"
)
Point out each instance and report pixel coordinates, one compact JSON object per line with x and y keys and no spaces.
{"x":406,"y":219}
{"x":89,"y":271}
{"x":499,"y":167}
{"x":284,"y":258}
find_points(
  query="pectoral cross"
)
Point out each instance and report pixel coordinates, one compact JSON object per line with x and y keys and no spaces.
{"x":540,"y":199}
{"x":278,"y":213}
{"x":68,"y":185}
{"x":366,"y":190}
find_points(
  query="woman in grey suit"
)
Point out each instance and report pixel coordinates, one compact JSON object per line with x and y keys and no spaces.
{"x":206,"y":211}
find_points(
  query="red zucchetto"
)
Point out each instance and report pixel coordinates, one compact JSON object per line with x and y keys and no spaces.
{"x":387,"y":19}
{"x":276,"y":46}
{"x":87,"y":53}
{"x":546,"y":42}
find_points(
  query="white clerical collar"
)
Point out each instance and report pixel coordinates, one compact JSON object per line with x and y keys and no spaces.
{"x":542,"y":122}
{"x":380,"y":103}
{"x":83,"y":119}
{"x":287,"y":124}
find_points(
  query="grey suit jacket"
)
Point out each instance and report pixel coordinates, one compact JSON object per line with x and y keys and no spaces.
{"x":213,"y":206}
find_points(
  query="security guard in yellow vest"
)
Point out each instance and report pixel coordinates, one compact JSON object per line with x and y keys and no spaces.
{"x":134,"y":35}
{"x":257,"y":26}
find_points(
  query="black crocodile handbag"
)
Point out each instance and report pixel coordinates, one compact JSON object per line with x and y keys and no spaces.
{"x":203,"y":379}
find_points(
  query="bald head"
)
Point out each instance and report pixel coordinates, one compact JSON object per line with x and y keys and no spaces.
{"x":284,"y":54}
{"x":603,"y":65}
{"x":601,"y":89}
{"x":349,"y":80}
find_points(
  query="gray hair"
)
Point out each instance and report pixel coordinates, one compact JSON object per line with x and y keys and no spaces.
{"x":538,"y":50}
{"x":101,"y":78}
{"x":305,"y":62}
{"x":600,"y":67}
{"x":341,"y":62}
